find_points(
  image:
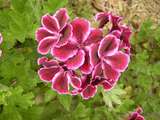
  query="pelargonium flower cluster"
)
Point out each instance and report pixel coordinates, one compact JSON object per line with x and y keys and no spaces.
{"x":1,"y":39}
{"x":136,"y":115}
{"x":82,"y":57}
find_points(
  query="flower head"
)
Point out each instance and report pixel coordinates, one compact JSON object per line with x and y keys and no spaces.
{"x":136,"y":115}
{"x":83,"y":57}
{"x":55,"y":31}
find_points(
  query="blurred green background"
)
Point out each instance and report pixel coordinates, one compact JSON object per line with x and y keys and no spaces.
{"x":24,"y":97}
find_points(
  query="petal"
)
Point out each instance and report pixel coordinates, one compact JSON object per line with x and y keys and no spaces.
{"x":133,"y":116}
{"x":103,"y":18}
{"x":139,"y":110}
{"x":47,"y":63}
{"x":89,"y":92}
{"x":86,"y":68}
{"x":125,"y":37}
{"x":65,"y":52}
{"x":115,"y":22}
{"x":118,"y":61}
{"x":86,"y":80}
{"x":97,"y":80}
{"x":74,"y":92}
{"x":1,"y":38}
{"x":46,"y":44}
{"x":41,"y":60}
{"x":108,"y":46}
{"x":62,"y":17}
{"x":93,"y":54}
{"x":60,"y":83}
{"x":50,"y":63}
{"x":76,"y":61}
{"x":116,"y":19}
{"x":41,"y":33}
{"x":127,"y":51}
{"x":116,"y":33}
{"x":50,"y":23}
{"x":107,"y":86}
{"x":46,"y":74}
{"x":75,"y":81}
{"x":81,"y":29}
{"x":97,"y":72}
{"x":95,"y":36}
{"x":139,"y":117}
{"x":66,"y":33}
{"x":110,"y":73}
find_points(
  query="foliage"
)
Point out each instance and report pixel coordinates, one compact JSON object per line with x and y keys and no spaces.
{"x":24,"y":97}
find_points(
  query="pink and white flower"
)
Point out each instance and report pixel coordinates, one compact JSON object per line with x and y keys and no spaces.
{"x":55,"y":31}
{"x":122,"y":32}
{"x":58,"y":75}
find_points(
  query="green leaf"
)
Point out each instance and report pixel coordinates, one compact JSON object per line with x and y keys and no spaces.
{"x":113,"y":96}
{"x":19,"y":5}
{"x":145,"y":31}
{"x":52,"y":5}
{"x":127,"y":105}
{"x":157,"y":35}
{"x":10,"y":113}
{"x":49,"y":95}
{"x":65,"y":100}
{"x":33,"y":113}
{"x":18,"y":98}
{"x":81,"y":111}
{"x":13,"y":101}
{"x":4,"y":93}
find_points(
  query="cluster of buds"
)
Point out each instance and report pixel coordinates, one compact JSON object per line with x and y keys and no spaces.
{"x":77,"y":58}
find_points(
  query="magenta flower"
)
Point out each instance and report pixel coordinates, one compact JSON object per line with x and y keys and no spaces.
{"x":54,"y":71}
{"x":1,"y":40}
{"x":82,"y":58}
{"x":57,"y":73}
{"x":76,"y":51}
{"x":122,"y":32}
{"x":136,"y":115}
{"x":108,"y":61}
{"x":55,"y":31}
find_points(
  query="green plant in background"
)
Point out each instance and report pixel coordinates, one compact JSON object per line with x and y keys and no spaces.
{"x":23,"y":96}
